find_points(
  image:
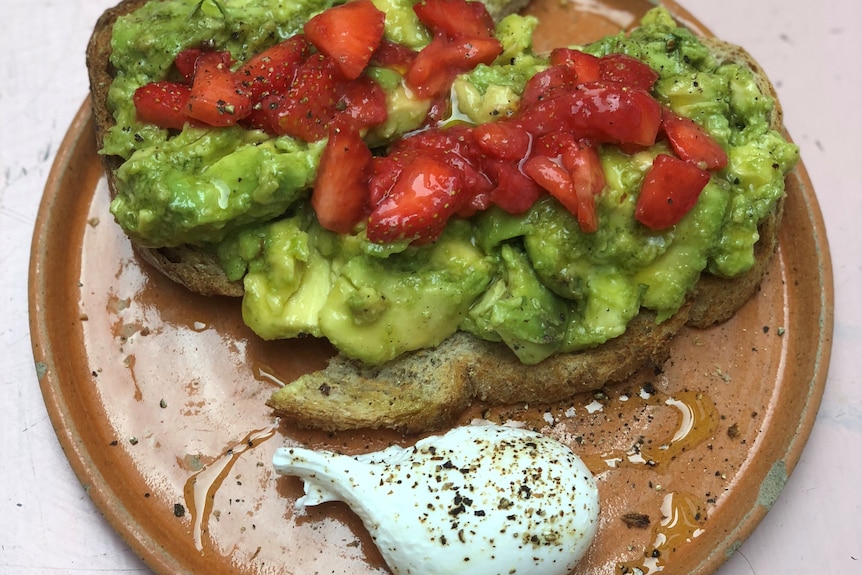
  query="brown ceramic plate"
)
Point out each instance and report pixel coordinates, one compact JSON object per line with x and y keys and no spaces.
{"x":157,"y":396}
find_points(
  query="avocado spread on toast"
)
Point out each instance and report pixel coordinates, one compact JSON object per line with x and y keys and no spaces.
{"x":534,"y":281}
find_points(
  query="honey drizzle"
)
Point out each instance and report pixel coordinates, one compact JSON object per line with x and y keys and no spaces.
{"x":697,"y":420}
{"x":200,"y":488}
{"x":267,"y":375}
{"x":683,"y":519}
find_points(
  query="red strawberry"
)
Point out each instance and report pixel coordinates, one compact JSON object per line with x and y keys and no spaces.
{"x":437,"y":64}
{"x":308,"y":107}
{"x":349,"y":34}
{"x":554,"y":178}
{"x":503,"y":140}
{"x":627,"y":71}
{"x":385,"y":171}
{"x":587,"y":68}
{"x":424,"y":197}
{"x":669,"y":190}
{"x":216,"y":99}
{"x":515,"y":192}
{"x":272,"y":71}
{"x":390,"y":54}
{"x":162,"y":103}
{"x":455,"y":18}
{"x":340,"y":194}
{"x":572,"y":173}
{"x":603,"y":113}
{"x":691,"y":142}
{"x":588,"y":180}
{"x":361,"y":103}
{"x":186,"y":61}
{"x":548,"y":84}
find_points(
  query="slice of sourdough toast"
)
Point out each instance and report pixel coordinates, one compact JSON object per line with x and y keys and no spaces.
{"x":429,"y":388}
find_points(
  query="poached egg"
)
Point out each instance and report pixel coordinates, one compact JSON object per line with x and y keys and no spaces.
{"x":485,"y":499}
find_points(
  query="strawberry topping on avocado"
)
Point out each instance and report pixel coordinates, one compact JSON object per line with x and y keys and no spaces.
{"x":319,"y":84}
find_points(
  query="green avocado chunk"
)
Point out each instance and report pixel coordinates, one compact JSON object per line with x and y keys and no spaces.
{"x":197,"y":187}
{"x":288,"y":279}
{"x":372,"y":306}
{"x":520,"y":311}
{"x":381,"y":308}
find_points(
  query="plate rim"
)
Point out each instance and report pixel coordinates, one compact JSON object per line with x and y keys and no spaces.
{"x":106,"y":499}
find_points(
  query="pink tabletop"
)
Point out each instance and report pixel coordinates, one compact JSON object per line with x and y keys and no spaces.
{"x":47,"y":523}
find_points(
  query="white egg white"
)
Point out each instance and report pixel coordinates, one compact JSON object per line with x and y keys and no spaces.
{"x":480,"y":499}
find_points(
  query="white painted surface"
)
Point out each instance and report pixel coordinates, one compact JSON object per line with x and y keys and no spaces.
{"x":812,"y":52}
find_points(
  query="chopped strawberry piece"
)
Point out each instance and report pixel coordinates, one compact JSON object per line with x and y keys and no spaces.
{"x":264,"y":114}
{"x":583,"y":163}
{"x":428,"y":75}
{"x":669,"y":190}
{"x":186,"y":61}
{"x":604,"y":113}
{"x":424,"y":197}
{"x":548,"y":84}
{"x":586,"y":67}
{"x":554,"y":144}
{"x":554,"y":178}
{"x":627,"y":71}
{"x":437,"y":64}
{"x":588,"y":180}
{"x":215,"y":98}
{"x":272,"y":71}
{"x":440,"y":109}
{"x":475,"y":181}
{"x":349,"y":34}
{"x":385,"y":171}
{"x":692,"y":142}
{"x":574,"y":177}
{"x":340,"y":195}
{"x":455,"y":18}
{"x":162,"y":103}
{"x":361,"y":103}
{"x":515,"y":192}
{"x":477,"y":203}
{"x":308,"y":107}
{"x":391,"y":54}
{"x":503,"y":140}
{"x":453,"y":146}
{"x":620,"y":69}
{"x":433,"y":142}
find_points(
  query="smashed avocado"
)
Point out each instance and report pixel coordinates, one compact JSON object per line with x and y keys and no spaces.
{"x":534,"y":281}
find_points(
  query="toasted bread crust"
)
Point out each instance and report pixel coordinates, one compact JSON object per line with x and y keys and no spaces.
{"x":428,"y":389}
